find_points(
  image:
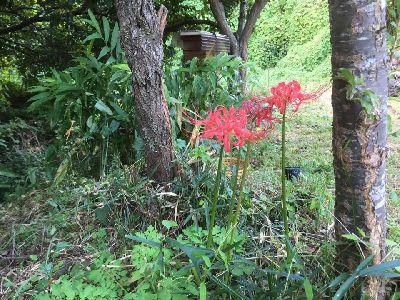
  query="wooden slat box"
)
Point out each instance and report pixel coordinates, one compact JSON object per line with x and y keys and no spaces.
{"x":202,"y":44}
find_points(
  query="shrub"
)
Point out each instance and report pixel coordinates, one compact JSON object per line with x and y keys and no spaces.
{"x":90,"y":107}
{"x":285,"y":27}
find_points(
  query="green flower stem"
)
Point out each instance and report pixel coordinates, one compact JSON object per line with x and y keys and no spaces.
{"x":284,"y":211}
{"x":234,"y":189}
{"x":215,"y":198}
{"x":240,"y":196}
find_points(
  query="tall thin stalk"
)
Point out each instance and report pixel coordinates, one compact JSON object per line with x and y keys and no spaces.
{"x":284,"y":211}
{"x":240,"y":196}
{"x":215,"y":198}
{"x":234,"y":190}
{"x":234,"y":216}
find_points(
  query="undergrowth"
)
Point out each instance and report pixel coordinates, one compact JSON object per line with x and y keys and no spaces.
{"x":122,"y":237}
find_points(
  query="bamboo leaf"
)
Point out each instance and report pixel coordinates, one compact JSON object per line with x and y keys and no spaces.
{"x":114,"y":36}
{"x":103,"y":52}
{"x":106,"y":28}
{"x":381,"y":269}
{"x":101,"y":106}
{"x":94,"y":22}
{"x":35,"y":105}
{"x":338,"y":280}
{"x":61,"y":171}
{"x":341,"y":292}
{"x":203,"y":291}
{"x":8,"y":173}
{"x":308,"y":289}
{"x":93,"y":36}
{"x":124,"y":67}
{"x":227,"y":288}
{"x":143,"y":240}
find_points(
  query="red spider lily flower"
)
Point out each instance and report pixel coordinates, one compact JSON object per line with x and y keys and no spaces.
{"x":259,"y":111}
{"x":288,"y":94}
{"x":229,"y":126}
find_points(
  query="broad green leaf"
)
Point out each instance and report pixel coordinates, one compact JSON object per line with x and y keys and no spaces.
{"x":380,"y":269}
{"x":106,"y":28}
{"x":114,"y":126}
{"x":119,"y":110}
{"x":103,"y":52}
{"x":351,"y":237}
{"x":95,"y":62}
{"x":341,"y":292}
{"x":94,"y":22}
{"x":8,"y":173}
{"x":169,"y":224}
{"x":91,"y":124}
{"x":194,"y":253}
{"x":62,"y":245}
{"x":114,"y":36}
{"x":338,"y":280}
{"x":93,"y":36}
{"x":308,"y":289}
{"x":206,"y":261}
{"x":142,"y":240}
{"x":40,"y":96}
{"x":61,"y":171}
{"x":38,"y":88}
{"x":33,"y":257}
{"x":124,"y":67}
{"x":35,"y":105}
{"x":227,"y":288}
{"x":203,"y":291}
{"x":101,"y":106}
{"x":346,"y":75}
{"x":110,"y":60}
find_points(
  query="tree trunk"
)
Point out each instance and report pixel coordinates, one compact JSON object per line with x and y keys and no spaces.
{"x":141,"y":38}
{"x":358,"y":36}
{"x":246,"y":23}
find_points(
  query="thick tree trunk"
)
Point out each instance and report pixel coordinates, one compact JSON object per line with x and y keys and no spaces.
{"x":141,"y":38}
{"x":358,"y":37}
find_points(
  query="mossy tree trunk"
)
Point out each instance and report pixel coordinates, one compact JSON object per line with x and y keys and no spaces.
{"x":141,"y":38}
{"x":358,"y":36}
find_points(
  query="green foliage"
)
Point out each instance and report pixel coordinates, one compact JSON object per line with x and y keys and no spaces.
{"x":21,"y":157}
{"x":89,"y":106}
{"x":356,"y":91}
{"x":282,"y":27}
{"x":199,"y":86}
{"x":292,"y":40}
{"x":203,"y":85}
{"x":393,"y":14}
{"x":52,"y":42}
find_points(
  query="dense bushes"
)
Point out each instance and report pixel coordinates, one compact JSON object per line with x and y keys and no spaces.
{"x":298,"y":30}
{"x":90,"y":106}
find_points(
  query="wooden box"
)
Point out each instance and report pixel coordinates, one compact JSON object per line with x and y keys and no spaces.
{"x":202,"y":44}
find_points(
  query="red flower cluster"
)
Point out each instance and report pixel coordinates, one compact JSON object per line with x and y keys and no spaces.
{"x":259,"y":112}
{"x":284,"y":95}
{"x":229,"y":126}
{"x":252,"y":121}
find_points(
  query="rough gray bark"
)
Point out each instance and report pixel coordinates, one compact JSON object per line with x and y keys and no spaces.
{"x":358,"y":36}
{"x":141,"y":38}
{"x":247,"y":21}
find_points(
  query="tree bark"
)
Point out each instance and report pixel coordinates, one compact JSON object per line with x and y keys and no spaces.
{"x":240,"y":39}
{"x":141,"y":38}
{"x":358,"y":36}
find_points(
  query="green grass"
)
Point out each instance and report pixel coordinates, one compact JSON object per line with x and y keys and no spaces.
{"x":312,"y":197}
{"x":56,"y":228}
